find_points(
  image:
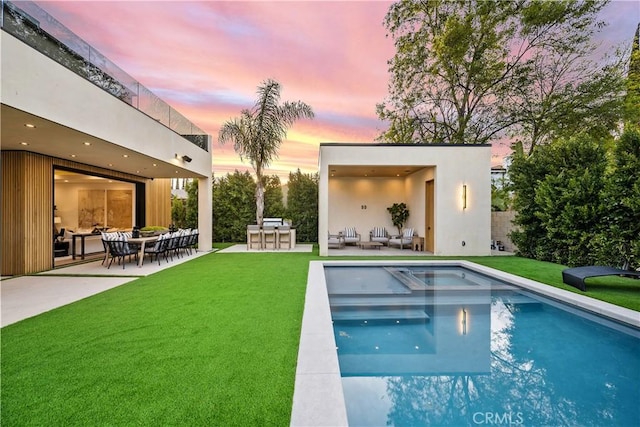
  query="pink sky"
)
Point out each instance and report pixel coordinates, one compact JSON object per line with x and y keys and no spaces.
{"x":207,"y":58}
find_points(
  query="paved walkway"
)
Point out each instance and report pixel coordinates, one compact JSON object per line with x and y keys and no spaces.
{"x":27,"y":296}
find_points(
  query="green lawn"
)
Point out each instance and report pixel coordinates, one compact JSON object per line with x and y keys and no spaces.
{"x":210,"y":342}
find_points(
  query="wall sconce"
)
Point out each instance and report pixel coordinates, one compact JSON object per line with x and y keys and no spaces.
{"x":57,"y":220}
{"x":463,"y":322}
{"x":464,"y":196}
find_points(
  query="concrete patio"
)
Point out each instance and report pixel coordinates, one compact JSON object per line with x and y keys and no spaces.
{"x":27,"y":296}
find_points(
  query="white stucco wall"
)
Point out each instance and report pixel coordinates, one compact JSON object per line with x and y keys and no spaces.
{"x":36,"y":84}
{"x":362,"y":203}
{"x":450,"y":166}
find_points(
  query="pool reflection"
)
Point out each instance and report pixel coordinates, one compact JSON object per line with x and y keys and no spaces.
{"x":521,"y":361}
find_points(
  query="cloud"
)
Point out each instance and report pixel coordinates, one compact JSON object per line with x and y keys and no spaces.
{"x":206,"y":59}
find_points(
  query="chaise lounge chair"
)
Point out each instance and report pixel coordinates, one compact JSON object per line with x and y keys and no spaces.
{"x":575,"y":276}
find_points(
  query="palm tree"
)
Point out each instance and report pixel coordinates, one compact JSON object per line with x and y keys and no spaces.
{"x":258,"y":133}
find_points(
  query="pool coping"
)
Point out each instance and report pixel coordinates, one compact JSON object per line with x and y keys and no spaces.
{"x":318,"y":398}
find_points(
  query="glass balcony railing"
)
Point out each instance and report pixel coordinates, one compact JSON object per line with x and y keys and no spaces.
{"x":28,"y":22}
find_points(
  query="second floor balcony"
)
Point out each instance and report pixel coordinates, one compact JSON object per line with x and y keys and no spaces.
{"x":33,"y":26}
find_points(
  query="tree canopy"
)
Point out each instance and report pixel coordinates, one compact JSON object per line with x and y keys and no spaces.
{"x":576,"y":204}
{"x":470,"y":71}
{"x":632,"y":96}
{"x":233,"y":203}
{"x":302,"y":205}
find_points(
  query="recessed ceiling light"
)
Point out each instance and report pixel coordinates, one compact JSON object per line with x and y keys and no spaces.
{"x":137,"y":171}
{"x":73,"y":155}
{"x":87,"y":143}
{"x":66,"y":180}
{"x":397,"y":174}
{"x":155,"y":164}
{"x":125,"y":155}
{"x":30,"y":125}
{"x":24,"y":143}
{"x":110,"y":164}
{"x":177,"y":172}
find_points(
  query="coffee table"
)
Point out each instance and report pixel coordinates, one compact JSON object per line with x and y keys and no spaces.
{"x":370,"y":245}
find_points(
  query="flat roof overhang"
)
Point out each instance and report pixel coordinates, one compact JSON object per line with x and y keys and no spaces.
{"x":55,"y":140}
{"x":356,"y":169}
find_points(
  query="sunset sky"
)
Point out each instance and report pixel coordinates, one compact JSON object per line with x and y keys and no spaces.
{"x":207,"y":58}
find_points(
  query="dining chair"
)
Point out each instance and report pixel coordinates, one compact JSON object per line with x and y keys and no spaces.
{"x":119,"y":249}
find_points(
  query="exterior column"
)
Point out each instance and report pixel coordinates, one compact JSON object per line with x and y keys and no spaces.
{"x":205,"y":214}
{"x":323,"y":209}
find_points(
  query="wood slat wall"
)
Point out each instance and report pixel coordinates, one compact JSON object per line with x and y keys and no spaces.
{"x":26,"y":220}
{"x":158,"y":202}
{"x":12,"y":221}
{"x":27,"y":213}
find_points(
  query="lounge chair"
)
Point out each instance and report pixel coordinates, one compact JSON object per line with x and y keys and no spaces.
{"x":335,"y":241}
{"x":351,"y":236}
{"x":403,"y":240}
{"x":379,"y":234}
{"x":575,"y":276}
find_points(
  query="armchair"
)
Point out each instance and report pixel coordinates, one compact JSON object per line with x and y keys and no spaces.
{"x":403,"y":240}
{"x":379,"y":234}
{"x":351,"y":236}
{"x":335,"y":241}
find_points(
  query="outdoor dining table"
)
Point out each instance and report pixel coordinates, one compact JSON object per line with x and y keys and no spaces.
{"x":142,"y":241}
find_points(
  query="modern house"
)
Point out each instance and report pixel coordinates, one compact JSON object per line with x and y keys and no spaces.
{"x":447,"y":189}
{"x":83,"y":144}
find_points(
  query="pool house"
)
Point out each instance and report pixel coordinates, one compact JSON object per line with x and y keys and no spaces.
{"x":447,"y":189}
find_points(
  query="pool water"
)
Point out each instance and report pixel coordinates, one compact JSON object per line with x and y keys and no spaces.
{"x":431,"y":350}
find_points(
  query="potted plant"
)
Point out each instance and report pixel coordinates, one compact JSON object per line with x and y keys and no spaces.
{"x":153,"y":230}
{"x":399,"y":215}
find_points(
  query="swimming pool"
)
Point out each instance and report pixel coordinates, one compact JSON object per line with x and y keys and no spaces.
{"x":458,"y":347}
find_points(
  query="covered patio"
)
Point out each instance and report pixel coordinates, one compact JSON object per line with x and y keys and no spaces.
{"x":447,"y":189}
